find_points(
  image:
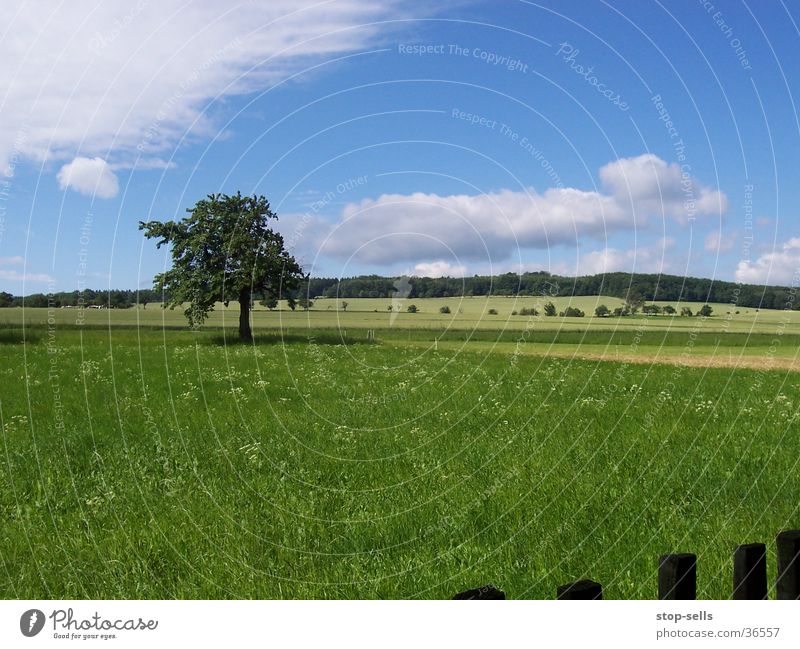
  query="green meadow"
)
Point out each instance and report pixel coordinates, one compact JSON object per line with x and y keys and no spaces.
{"x":465,"y":313}
{"x":346,"y":454}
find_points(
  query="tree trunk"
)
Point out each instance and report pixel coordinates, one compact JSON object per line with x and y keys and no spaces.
{"x":244,"y":316}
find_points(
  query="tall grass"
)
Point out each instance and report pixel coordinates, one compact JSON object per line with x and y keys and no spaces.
{"x":159,"y":464}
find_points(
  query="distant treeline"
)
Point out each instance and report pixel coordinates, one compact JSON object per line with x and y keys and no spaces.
{"x":634,"y":287}
{"x":113,"y":299}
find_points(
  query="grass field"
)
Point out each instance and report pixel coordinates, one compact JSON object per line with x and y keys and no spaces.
{"x":469,"y":313}
{"x":148,"y":463}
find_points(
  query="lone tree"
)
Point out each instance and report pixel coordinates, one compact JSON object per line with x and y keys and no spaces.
{"x":634,"y":301}
{"x":224,"y":251}
{"x":269,"y":301}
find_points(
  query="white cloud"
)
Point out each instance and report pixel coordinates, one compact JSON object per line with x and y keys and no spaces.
{"x":396,"y":227}
{"x":12,"y":261}
{"x":438,"y":269}
{"x":141,"y":164}
{"x":652,"y":258}
{"x":117,"y":80}
{"x":649,"y":184}
{"x":777,"y":267}
{"x":15,"y":276}
{"x":718,"y":242}
{"x":418,"y":227}
{"x":89,"y":176}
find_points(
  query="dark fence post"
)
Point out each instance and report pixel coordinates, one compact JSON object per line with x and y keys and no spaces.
{"x":787,"y":585}
{"x":677,"y":576}
{"x":583,"y":589}
{"x":750,"y":571}
{"x":484,"y":592}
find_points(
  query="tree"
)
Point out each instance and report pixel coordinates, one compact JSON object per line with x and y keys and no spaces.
{"x":305,"y":302}
{"x":223,"y":251}
{"x":344,"y":305}
{"x":651,"y":309}
{"x":118,"y":300}
{"x":602,"y":311}
{"x":634,"y":301}
{"x":705,"y":311}
{"x":291,"y":303}
{"x":549,"y":309}
{"x":412,"y":308}
{"x":669,"y":310}
{"x":269,"y":301}
{"x":572,"y":312}
{"x":444,"y":309}
{"x":6,"y":299}
{"x":492,"y":311}
{"x":686,"y":311}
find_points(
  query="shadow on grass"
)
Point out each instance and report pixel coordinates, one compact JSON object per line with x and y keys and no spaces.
{"x":277,"y":338}
{"x":17,"y":336}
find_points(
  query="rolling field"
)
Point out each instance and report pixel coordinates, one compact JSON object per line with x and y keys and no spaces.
{"x":146,"y":463}
{"x":469,"y":313}
{"x":743,"y":337}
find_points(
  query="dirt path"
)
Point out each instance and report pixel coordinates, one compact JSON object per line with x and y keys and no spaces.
{"x":722,"y":357}
{"x":765,"y":362}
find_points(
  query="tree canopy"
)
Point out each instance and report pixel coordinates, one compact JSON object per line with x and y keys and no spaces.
{"x":224,"y":251}
{"x":637,"y":288}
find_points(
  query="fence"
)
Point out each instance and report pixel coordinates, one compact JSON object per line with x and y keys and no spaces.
{"x":677,"y":575}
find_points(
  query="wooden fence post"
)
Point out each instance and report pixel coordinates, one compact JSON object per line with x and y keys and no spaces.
{"x":750,"y":571}
{"x":787,"y":585}
{"x":677,"y":576}
{"x":484,"y":592}
{"x":583,"y":589}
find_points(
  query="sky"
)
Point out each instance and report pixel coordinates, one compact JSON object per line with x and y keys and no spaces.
{"x":449,"y":138}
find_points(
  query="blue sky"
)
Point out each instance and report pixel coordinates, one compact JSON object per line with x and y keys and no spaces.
{"x":460,"y":138}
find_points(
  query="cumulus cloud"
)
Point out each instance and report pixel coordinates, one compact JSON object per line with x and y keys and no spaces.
{"x":12,"y":261}
{"x":16,"y":276}
{"x":777,"y":267}
{"x":420,"y":226}
{"x":89,"y":176}
{"x":132,"y":78}
{"x":438,"y":269}
{"x":652,"y":258}
{"x":653,"y":186}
